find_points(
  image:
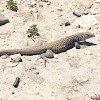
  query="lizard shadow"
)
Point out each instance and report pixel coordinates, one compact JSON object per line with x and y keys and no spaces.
{"x":87,"y":43}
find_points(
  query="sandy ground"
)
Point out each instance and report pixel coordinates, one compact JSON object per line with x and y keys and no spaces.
{"x":74,"y":74}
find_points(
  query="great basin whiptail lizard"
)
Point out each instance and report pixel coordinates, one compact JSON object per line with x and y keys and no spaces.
{"x":56,"y":47}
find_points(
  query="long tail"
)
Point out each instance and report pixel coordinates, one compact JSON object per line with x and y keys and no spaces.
{"x":24,"y":51}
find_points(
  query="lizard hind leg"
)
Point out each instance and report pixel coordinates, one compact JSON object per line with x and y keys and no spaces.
{"x":48,"y":54}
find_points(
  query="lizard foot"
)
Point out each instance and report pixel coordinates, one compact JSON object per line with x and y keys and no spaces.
{"x":45,"y":56}
{"x":48,"y":54}
{"x":77,"y":46}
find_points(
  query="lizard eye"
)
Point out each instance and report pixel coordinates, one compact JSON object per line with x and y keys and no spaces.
{"x":82,"y":37}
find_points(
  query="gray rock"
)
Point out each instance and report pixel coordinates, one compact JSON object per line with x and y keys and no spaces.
{"x":4,"y":56}
{"x":44,"y":0}
{"x":97,"y":1}
{"x":85,"y":21}
{"x":16,"y":57}
{"x":67,"y":23}
{"x":86,"y":3}
{"x":31,"y":3}
{"x":78,"y":14}
{"x":81,"y":7}
{"x":49,"y":3}
{"x":3,"y":20}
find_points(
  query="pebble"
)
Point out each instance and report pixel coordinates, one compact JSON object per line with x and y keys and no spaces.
{"x":31,"y":3}
{"x":44,"y":0}
{"x":81,"y":7}
{"x":59,"y":9}
{"x":97,"y":1}
{"x":86,"y":3}
{"x":4,"y":56}
{"x":16,"y":57}
{"x":88,"y":52}
{"x":11,"y":64}
{"x":37,"y":73}
{"x":3,"y":20}
{"x":78,"y":14}
{"x":67,"y":23}
{"x":86,"y":21}
{"x":49,"y":3}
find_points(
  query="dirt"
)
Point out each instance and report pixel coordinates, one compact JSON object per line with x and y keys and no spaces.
{"x":72,"y":75}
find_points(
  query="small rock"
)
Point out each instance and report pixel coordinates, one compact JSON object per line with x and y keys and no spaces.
{"x":16,"y":82}
{"x":61,"y":24}
{"x":12,"y":93}
{"x":4,"y":56}
{"x":49,"y":3}
{"x":11,"y":64}
{"x":81,"y":7}
{"x":16,"y":57}
{"x":97,"y":1}
{"x":40,"y":5}
{"x":44,"y":0}
{"x":37,"y":73}
{"x":86,"y":3}
{"x":85,"y":21}
{"x":67,"y":23}
{"x":3,"y":20}
{"x":33,"y":68}
{"x":59,"y":9}
{"x":88,"y":52}
{"x":31,"y":3}
{"x":78,"y":14}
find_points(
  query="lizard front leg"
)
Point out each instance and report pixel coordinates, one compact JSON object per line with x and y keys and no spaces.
{"x":77,"y":46}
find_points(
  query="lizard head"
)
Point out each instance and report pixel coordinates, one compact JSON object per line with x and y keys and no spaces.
{"x":84,"y":35}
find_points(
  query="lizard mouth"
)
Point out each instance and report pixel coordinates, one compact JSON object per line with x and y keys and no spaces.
{"x":90,"y":35}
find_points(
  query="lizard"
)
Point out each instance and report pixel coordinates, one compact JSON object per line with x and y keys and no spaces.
{"x":47,"y":50}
